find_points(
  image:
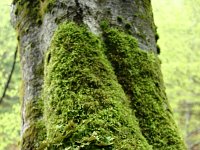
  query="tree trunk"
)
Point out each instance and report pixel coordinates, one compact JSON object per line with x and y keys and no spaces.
{"x":91,"y":76}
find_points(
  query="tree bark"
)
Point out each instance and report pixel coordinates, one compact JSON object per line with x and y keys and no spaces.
{"x":91,"y":76}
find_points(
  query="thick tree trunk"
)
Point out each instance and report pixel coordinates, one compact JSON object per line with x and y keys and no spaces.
{"x":91,"y":86}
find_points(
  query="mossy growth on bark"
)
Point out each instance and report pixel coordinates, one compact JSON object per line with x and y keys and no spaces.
{"x":33,"y":9}
{"x":104,"y":93}
{"x":84,"y":105}
{"x":100,"y":93}
{"x":35,"y":133}
{"x":140,"y":75}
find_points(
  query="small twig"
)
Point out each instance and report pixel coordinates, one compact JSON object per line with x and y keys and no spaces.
{"x":10,"y":76}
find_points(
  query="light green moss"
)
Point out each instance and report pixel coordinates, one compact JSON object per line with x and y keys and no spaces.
{"x":140,"y":75}
{"x":85,"y":107}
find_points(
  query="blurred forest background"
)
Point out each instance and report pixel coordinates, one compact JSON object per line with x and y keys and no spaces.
{"x":178,"y":23}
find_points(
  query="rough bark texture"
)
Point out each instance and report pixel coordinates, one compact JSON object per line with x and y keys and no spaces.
{"x":99,"y":90}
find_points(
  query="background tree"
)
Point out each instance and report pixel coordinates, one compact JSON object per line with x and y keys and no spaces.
{"x":9,"y":107}
{"x":179,"y":42}
{"x":91,"y":86}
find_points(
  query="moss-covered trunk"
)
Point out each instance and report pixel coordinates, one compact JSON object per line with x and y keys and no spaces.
{"x":91,"y":76}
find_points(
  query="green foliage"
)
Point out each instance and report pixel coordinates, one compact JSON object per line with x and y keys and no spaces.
{"x":179,"y":29}
{"x":9,"y":108}
{"x":85,"y":106}
{"x":9,"y":128}
{"x":8,"y":44}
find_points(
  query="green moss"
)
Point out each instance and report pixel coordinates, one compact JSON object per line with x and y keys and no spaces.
{"x":119,"y":19}
{"x":139,"y":74}
{"x":127,"y":26}
{"x":36,"y":132}
{"x":46,"y":6}
{"x":34,"y":9}
{"x":27,"y":7}
{"x":104,"y":25}
{"x":146,"y":4}
{"x":157,"y":49}
{"x":156,"y":36}
{"x":34,"y":109}
{"x":33,"y":135}
{"x":85,"y":107}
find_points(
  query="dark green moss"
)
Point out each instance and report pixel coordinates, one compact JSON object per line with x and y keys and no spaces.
{"x":36,"y":132}
{"x":127,"y":26}
{"x":85,"y":107}
{"x":140,"y":75}
{"x":34,"y":110}
{"x":104,"y":25}
{"x":158,"y":49}
{"x":33,"y":9}
{"x":156,"y":36}
{"x":27,"y":7}
{"x":33,"y":135}
{"x":119,"y":19}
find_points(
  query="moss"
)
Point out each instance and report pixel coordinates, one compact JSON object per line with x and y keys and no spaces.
{"x":33,"y":135}
{"x":46,"y":6}
{"x":85,"y":107}
{"x":34,"y":9}
{"x":28,"y":7}
{"x":157,"y":36}
{"x":36,"y":132}
{"x":157,"y":49}
{"x":146,"y":4}
{"x":34,"y":109}
{"x":139,"y":74}
{"x":104,"y":24}
{"x":119,"y":19}
{"x":127,"y":26}
{"x":147,"y":15}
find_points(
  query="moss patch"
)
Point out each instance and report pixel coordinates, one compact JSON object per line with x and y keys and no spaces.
{"x":85,"y":106}
{"x":33,"y":9}
{"x":140,"y":75}
{"x":34,"y":109}
{"x":34,"y":135}
{"x":36,"y":132}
